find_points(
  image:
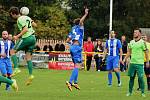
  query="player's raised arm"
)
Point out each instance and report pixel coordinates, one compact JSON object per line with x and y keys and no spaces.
{"x":83,"y":17}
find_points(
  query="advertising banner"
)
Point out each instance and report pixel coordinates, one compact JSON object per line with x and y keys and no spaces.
{"x":60,"y":61}
{"x":39,"y":60}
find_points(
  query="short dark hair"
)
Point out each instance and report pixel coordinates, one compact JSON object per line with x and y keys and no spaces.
{"x":138,"y":29}
{"x":14,"y":10}
{"x":76,"y":21}
{"x":99,"y":40}
{"x":89,"y":37}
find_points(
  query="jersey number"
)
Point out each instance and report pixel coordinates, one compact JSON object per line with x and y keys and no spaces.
{"x":29,"y":23}
{"x":76,"y":36}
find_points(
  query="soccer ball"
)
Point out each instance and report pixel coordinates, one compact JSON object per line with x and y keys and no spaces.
{"x":24,"y":10}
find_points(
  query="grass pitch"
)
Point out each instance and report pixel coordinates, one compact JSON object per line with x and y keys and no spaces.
{"x":50,"y":85}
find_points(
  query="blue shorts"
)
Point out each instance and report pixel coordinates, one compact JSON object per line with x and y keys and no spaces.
{"x":76,"y":53}
{"x":112,"y":62}
{"x":6,"y":66}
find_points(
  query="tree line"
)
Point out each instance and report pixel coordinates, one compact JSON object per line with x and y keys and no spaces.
{"x":55,"y":21}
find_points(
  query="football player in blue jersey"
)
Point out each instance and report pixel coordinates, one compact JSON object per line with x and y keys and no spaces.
{"x":5,"y":61}
{"x":114,"y":49}
{"x":75,"y":37}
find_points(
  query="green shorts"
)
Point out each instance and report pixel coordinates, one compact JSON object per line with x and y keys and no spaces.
{"x":133,"y":68}
{"x":26,"y":44}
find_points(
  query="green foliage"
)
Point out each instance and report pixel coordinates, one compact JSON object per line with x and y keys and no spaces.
{"x":50,"y":18}
{"x":96,"y":24}
{"x":52,"y":23}
{"x":127,"y":14}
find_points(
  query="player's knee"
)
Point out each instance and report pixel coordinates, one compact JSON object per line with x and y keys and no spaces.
{"x":77,"y":65}
{"x":5,"y":75}
{"x":116,"y":69}
{"x":8,"y":74}
{"x":132,"y":78}
{"x":28,"y":59}
{"x":110,"y":71}
{"x":140,"y":77}
{"x":12,"y":52}
{"x":28,"y":56}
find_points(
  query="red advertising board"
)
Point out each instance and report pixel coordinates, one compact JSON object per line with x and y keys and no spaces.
{"x":60,"y":61}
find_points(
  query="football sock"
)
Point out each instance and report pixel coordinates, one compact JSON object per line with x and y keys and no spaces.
{"x":110,"y":78}
{"x":118,"y":76}
{"x":7,"y":85}
{"x":30,"y":65}
{"x":148,"y":82}
{"x":141,"y":84}
{"x":76,"y":70}
{"x":72,"y":77}
{"x":6,"y":80}
{"x":131,"y":83}
{"x":15,"y":61}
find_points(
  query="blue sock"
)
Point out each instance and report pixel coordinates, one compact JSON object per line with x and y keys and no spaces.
{"x":76,"y":75}
{"x":118,"y":76}
{"x":110,"y":78}
{"x":72,"y":75}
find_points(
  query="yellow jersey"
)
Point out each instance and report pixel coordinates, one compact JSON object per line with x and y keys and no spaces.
{"x":148,"y":47}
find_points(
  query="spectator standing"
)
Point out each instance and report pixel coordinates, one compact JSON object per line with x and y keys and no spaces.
{"x":88,"y":47}
{"x":98,"y":57}
{"x":123,"y":68}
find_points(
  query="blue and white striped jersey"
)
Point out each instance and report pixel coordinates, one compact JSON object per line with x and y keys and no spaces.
{"x":113,"y":46}
{"x":5,"y":47}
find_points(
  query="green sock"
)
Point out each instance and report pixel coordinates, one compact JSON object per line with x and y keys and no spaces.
{"x":15,"y":61}
{"x":5,"y":80}
{"x":30,"y":65}
{"x":142,"y":86}
{"x":131,"y":83}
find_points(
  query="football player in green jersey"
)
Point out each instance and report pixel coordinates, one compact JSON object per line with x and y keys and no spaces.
{"x":26,"y":41}
{"x":136,"y":50}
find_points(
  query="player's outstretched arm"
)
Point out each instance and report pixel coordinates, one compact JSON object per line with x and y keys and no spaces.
{"x":83,"y":17}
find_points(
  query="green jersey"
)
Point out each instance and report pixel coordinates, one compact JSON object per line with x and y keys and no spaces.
{"x":23,"y":21}
{"x":137,"y":51}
